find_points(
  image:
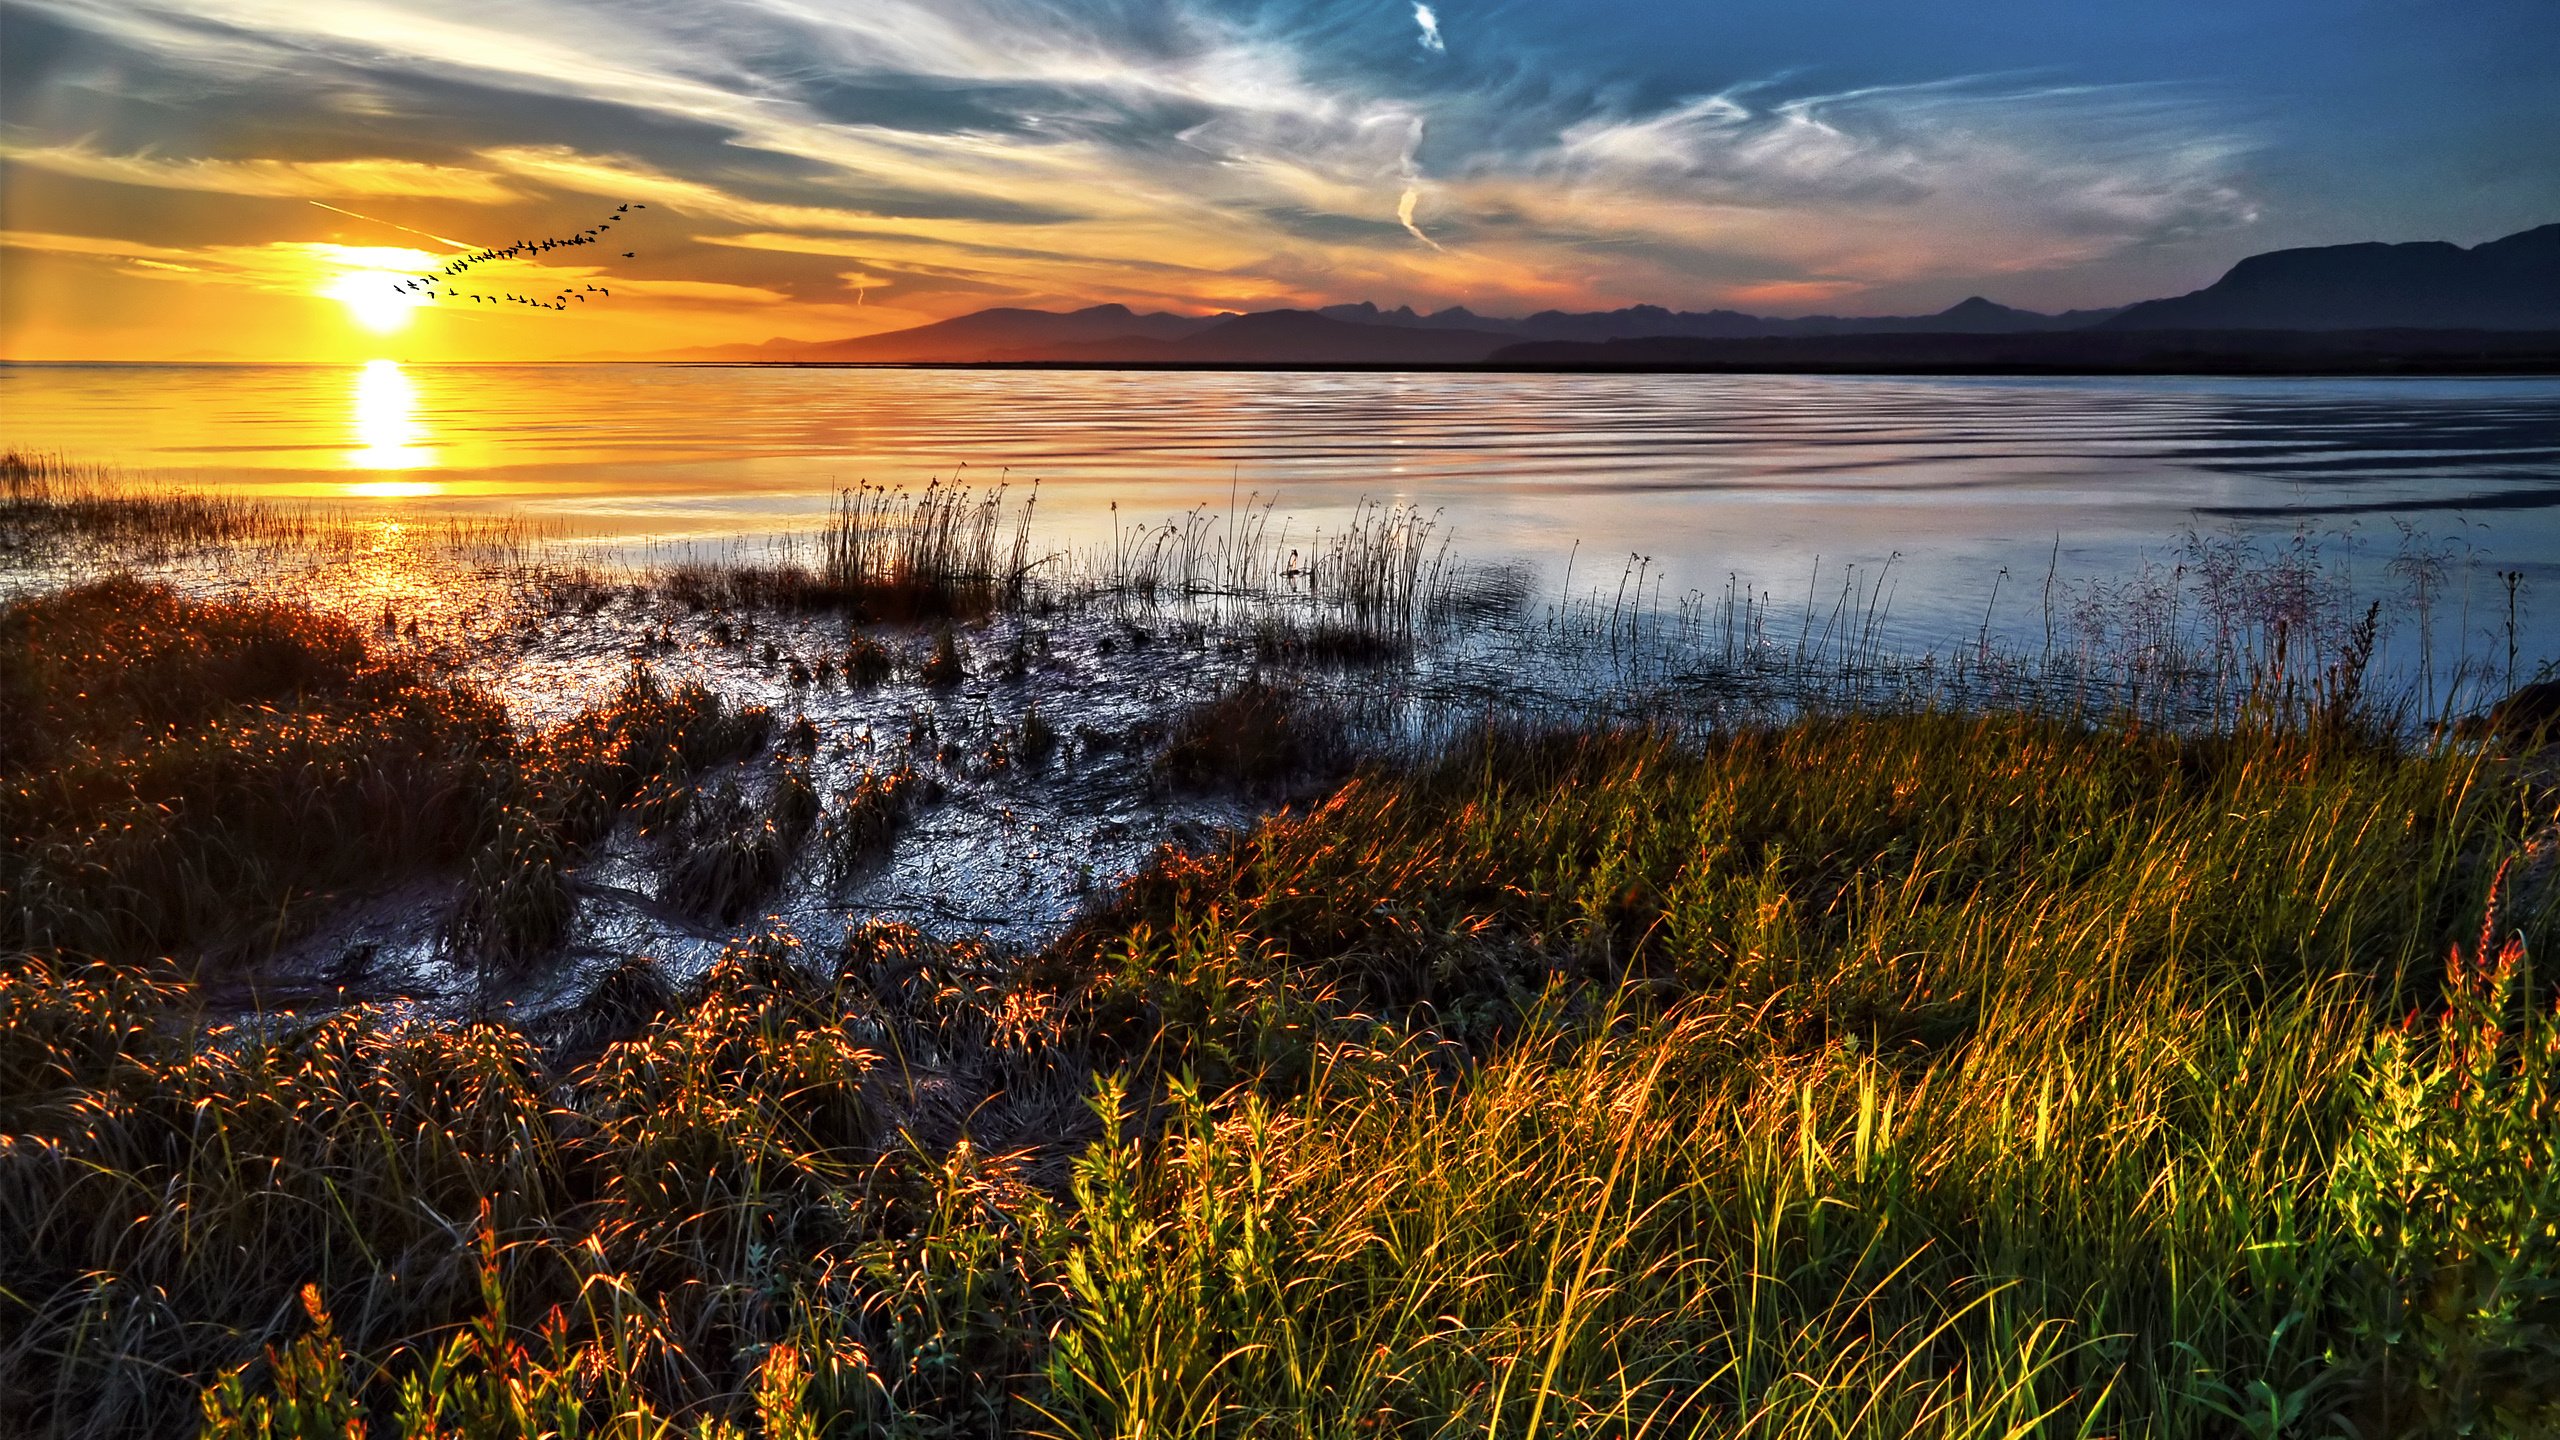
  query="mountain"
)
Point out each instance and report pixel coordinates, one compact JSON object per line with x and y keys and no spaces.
{"x":2509,"y":284}
{"x":1279,"y":337}
{"x":1360,"y":334}
{"x":2506,"y":285}
{"x":2103,"y":350}
{"x":973,"y":337}
{"x":1975,"y":316}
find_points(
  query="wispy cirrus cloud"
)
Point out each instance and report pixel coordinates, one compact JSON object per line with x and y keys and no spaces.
{"x":1962,"y":177}
{"x":270,"y":178}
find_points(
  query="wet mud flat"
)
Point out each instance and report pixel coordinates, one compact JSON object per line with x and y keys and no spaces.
{"x":995,"y":801}
{"x":968,"y":765}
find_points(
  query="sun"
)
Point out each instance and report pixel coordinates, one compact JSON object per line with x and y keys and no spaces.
{"x":374,"y":300}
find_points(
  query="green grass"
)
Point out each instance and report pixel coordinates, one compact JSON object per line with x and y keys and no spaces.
{"x":1884,"y":1074}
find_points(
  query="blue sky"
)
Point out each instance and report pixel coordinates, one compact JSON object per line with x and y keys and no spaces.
{"x":829,"y":167}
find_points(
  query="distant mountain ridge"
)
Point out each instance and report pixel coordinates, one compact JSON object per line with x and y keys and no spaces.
{"x":977,"y":336}
{"x":2100,"y":350}
{"x":2506,"y":285}
{"x":1281,"y":337}
{"x":1334,"y":334}
{"x":1974,"y":316}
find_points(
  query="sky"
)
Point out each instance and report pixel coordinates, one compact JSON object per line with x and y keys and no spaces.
{"x":250,"y":179}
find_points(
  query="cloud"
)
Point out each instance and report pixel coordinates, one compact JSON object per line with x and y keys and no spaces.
{"x":269,"y":179}
{"x":1159,"y":151}
{"x":93,"y":245}
{"x":1405,"y":204}
{"x":278,"y":267}
{"x":1430,"y":26}
{"x":1877,"y":185}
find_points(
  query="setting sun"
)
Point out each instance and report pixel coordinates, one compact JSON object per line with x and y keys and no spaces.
{"x":373,"y":299}
{"x":367,"y":280}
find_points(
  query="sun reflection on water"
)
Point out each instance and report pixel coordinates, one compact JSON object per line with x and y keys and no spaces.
{"x":388,"y":433}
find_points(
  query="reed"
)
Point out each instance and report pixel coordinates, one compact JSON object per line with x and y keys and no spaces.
{"x":940,"y":553}
{"x":54,"y":509}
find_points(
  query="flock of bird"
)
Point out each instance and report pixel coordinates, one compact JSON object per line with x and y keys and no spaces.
{"x":439,"y":285}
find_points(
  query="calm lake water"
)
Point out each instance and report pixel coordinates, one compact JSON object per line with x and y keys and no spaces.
{"x":1762,"y":482}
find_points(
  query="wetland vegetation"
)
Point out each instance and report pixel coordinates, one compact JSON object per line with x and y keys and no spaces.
{"x":1807,"y":1041}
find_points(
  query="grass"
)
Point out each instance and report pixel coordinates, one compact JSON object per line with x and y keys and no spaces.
{"x":1254,"y":735}
{"x":867,"y":818}
{"x":208,"y":779}
{"x":647,"y":754}
{"x":181,"y":773}
{"x":51,"y":507}
{"x":736,"y":853}
{"x":1884,"y":1073}
{"x":66,"y":517}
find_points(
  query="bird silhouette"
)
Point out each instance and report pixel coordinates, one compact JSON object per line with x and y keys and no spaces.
{"x":425,"y":286}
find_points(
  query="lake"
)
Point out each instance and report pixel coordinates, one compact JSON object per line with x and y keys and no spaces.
{"x":1779,"y":484}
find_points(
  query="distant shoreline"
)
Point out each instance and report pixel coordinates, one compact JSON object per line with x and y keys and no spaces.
{"x":2200,"y":353}
{"x":2539,"y":368}
{"x":2534,"y":369}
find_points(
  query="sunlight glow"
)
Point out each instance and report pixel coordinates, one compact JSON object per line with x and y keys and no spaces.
{"x":387,"y":430}
{"x":372,"y":299}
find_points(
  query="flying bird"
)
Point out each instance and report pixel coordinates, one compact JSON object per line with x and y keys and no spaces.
{"x":424,"y":286}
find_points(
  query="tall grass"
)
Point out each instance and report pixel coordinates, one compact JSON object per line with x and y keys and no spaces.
{"x":1874,"y":1075}
{"x":1871,"y":1076}
{"x":53,"y":508}
{"x":175,"y":773}
{"x":1661,"y":1227}
{"x":1899,"y":1071}
{"x":207,"y":778}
